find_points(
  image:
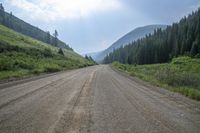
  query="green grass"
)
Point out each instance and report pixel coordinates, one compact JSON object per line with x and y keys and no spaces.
{"x":181,"y":75}
{"x":21,"y":55}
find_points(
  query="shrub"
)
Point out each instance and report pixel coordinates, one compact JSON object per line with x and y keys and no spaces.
{"x":47,"y":53}
{"x":189,"y":92}
{"x":174,"y":78}
{"x":60,"y":51}
{"x":52,"y":69}
{"x":6,"y":63}
{"x":24,"y":64}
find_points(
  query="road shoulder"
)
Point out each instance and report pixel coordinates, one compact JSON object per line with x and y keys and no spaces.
{"x":176,"y":97}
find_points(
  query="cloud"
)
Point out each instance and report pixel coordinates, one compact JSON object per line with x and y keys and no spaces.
{"x":51,"y":10}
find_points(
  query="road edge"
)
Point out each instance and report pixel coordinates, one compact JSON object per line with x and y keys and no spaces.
{"x":172,"y":95}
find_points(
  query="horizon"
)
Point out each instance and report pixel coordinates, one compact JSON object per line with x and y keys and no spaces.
{"x":89,"y":28}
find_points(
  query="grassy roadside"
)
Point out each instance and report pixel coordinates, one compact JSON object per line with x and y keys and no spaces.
{"x":181,"y":75}
{"x":22,"y":56}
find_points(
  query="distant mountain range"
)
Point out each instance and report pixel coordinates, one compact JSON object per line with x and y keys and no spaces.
{"x":134,"y":35}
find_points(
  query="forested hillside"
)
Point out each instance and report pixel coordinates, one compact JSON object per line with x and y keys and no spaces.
{"x":12,"y":22}
{"x":181,"y":38}
{"x":134,"y":35}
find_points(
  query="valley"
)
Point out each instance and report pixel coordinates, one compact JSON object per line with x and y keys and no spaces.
{"x":144,"y":79}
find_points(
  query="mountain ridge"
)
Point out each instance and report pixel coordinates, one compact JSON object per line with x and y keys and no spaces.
{"x":131,"y":36}
{"x":178,"y":39}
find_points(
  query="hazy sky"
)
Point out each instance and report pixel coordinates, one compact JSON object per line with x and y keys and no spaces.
{"x":92,"y":25}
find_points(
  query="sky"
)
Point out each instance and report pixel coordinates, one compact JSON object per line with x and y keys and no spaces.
{"x":93,"y":25}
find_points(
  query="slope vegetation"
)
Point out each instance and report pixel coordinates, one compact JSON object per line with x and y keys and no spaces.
{"x":21,"y":55}
{"x":181,"y":75}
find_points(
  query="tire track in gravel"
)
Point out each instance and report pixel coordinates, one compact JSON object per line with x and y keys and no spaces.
{"x":77,"y":118}
{"x":94,"y":100}
{"x":153,"y":92}
{"x":52,"y":84}
{"x":47,"y":88}
{"x":145,"y":112}
{"x":159,"y":111}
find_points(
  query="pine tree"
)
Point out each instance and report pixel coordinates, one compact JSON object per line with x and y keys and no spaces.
{"x":1,"y":7}
{"x":2,"y":13}
{"x":86,"y":57}
{"x":55,"y":34}
{"x":60,"y":51}
{"x":48,"y":37}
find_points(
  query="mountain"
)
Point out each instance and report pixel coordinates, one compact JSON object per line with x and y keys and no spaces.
{"x":182,"y":38}
{"x":21,"y":55}
{"x":132,"y":36}
{"x":18,"y":25}
{"x":93,"y":54}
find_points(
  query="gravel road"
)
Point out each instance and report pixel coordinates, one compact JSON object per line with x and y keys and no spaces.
{"x":96,"y":99}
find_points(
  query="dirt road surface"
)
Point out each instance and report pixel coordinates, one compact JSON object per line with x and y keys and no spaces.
{"x":94,"y":100}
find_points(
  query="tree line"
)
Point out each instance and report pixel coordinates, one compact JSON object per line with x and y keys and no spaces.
{"x":89,"y":58}
{"x":182,"y":38}
{"x":18,"y":25}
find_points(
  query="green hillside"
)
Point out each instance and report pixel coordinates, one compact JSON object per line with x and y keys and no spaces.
{"x":18,"y":25}
{"x":21,"y":55}
{"x":181,"y":75}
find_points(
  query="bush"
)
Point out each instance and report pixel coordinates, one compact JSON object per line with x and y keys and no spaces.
{"x":47,"y":53}
{"x":6,"y":47}
{"x":189,"y":92}
{"x":52,"y":69}
{"x":36,"y":71}
{"x":24,"y":64}
{"x":6,"y":63}
{"x":60,"y":51}
{"x":174,"y":78}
